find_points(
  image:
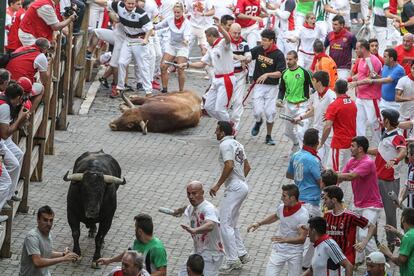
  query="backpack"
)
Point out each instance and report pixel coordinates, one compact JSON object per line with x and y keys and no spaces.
{"x":6,"y":57}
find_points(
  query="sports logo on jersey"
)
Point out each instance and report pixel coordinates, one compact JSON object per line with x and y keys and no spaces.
{"x":239,"y":156}
{"x":264,"y":61}
{"x":297,"y":76}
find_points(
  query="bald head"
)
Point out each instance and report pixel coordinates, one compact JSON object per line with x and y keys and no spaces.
{"x":195,"y":192}
{"x":235,"y":31}
{"x":408,"y":41}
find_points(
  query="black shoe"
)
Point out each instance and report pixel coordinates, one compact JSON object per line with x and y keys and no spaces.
{"x":256,"y":128}
{"x":128,"y":88}
{"x":164,"y":90}
{"x":270,"y":141}
{"x":104,"y":82}
{"x":88,"y":55}
{"x":139,"y":86}
{"x":16,"y":198}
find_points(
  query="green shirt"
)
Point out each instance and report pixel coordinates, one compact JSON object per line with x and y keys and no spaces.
{"x":294,"y":85}
{"x":407,"y":249}
{"x":319,"y":10}
{"x":304,"y":7}
{"x":156,"y":250}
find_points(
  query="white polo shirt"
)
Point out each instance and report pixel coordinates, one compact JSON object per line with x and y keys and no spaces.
{"x":230,"y":149}
{"x":319,"y":108}
{"x":406,"y":108}
{"x":220,"y":56}
{"x":289,"y":227}
{"x":177,"y":36}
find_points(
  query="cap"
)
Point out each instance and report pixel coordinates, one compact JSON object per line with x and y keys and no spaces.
{"x":377,"y":258}
{"x":26,"y":84}
{"x":105,"y":57}
{"x":390,"y":114}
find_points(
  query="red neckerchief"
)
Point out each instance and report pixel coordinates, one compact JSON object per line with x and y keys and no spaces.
{"x":307,"y":26}
{"x":323,"y":92}
{"x":217,"y":41}
{"x":290,"y":210}
{"x":179,"y":22}
{"x":158,"y":2}
{"x":321,"y":239}
{"x":270,"y":49}
{"x":338,"y":35}
{"x":314,"y":152}
{"x":410,"y":76}
{"x":236,"y":42}
{"x":316,"y":58}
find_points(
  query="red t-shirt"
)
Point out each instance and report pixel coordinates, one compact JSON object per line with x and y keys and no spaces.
{"x":343,"y":228}
{"x":342,"y":112}
{"x":247,"y":7}
{"x":405,"y":58}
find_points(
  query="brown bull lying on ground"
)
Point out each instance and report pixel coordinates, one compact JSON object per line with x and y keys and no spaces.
{"x":160,"y":113}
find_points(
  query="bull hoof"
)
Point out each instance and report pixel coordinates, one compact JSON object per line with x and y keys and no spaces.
{"x":95,"y":265}
{"x":78,"y":260}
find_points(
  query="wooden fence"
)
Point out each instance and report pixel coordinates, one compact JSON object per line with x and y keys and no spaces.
{"x":67,"y":80}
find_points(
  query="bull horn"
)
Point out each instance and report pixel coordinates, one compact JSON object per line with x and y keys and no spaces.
{"x":143,"y":126}
{"x":126,"y":100}
{"x":73,"y":177}
{"x":109,"y":179}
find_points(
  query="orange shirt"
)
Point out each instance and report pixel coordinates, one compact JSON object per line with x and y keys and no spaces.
{"x":328,"y":65}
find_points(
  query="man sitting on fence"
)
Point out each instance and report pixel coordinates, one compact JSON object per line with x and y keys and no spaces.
{"x":12,"y":156}
{"x":30,"y":63}
{"x":40,"y":20}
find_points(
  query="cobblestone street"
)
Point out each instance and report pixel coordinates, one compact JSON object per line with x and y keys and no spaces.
{"x":157,"y":168}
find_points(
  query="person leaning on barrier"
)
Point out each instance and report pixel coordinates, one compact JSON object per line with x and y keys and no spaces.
{"x":41,"y":20}
{"x":12,"y":156}
{"x":37,"y":252}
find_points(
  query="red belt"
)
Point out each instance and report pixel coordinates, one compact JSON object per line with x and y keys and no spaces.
{"x":227,"y":84}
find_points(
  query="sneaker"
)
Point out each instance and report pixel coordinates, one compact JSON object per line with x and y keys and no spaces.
{"x":3,"y":218}
{"x":16,"y":198}
{"x":229,"y":266}
{"x":256,"y":128}
{"x":148,"y":94}
{"x":164,"y":90}
{"x":128,"y":88}
{"x":139,"y":86}
{"x":270,"y":141}
{"x":88,"y":55}
{"x":245,"y":258}
{"x":156,"y":85}
{"x":104,"y":82}
{"x":114,"y":93}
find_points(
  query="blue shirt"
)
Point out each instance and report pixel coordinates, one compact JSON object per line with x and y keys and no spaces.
{"x":388,"y":89}
{"x":306,"y":170}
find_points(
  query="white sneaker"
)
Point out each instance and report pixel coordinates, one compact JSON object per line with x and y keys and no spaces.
{"x":245,"y":258}
{"x":229,"y":266}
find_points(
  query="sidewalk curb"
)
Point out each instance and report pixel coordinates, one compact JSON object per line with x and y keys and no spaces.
{"x":90,"y":95}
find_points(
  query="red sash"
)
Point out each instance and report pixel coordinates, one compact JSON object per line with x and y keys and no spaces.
{"x":228,"y":85}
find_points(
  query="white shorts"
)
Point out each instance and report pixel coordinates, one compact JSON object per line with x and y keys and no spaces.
{"x":176,"y":52}
{"x":199,"y":35}
{"x":95,"y":17}
{"x":106,"y":35}
{"x":264,"y":102}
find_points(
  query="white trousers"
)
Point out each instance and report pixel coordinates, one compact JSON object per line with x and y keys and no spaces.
{"x":164,"y":38}
{"x":372,"y":214}
{"x":308,"y":250}
{"x":142,"y":57}
{"x":366,"y":116}
{"x":305,"y":60}
{"x":95,"y":17}
{"x":13,"y":159}
{"x":383,"y":104}
{"x":106,"y":35}
{"x":284,"y":45}
{"x":264,"y":102}
{"x":236,"y":104}
{"x":296,"y":132}
{"x":119,"y":38}
{"x":338,"y":158}
{"x":212,"y":264}
{"x":229,"y":212}
{"x":323,"y":152}
{"x":277,"y":261}
{"x":156,"y":55}
{"x":216,"y":99}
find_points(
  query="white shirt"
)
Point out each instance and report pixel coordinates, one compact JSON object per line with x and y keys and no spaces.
{"x":308,"y":36}
{"x":151,"y":9}
{"x":177,"y":36}
{"x":220,"y":57}
{"x":40,"y":63}
{"x":222,"y":7}
{"x":407,"y":86}
{"x":195,"y":9}
{"x":198,"y":216}
{"x":319,"y":108}
{"x":5,"y":114}
{"x":230,"y":149}
{"x":324,"y":251}
{"x":166,"y":8}
{"x":289,"y":227}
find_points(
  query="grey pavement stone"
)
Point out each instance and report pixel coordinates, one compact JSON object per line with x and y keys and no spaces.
{"x":157,"y":168}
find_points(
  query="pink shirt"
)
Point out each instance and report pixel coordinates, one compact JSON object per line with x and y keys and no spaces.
{"x":369,"y":91}
{"x":365,"y":187}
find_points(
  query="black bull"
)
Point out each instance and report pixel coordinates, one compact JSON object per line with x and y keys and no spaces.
{"x":92,"y":197}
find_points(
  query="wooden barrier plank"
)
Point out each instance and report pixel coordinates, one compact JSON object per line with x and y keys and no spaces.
{"x":38,"y":118}
{"x":35,"y":159}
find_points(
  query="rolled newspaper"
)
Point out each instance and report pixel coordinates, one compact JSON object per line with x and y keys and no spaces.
{"x":167,"y":211}
{"x":289,"y":118}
